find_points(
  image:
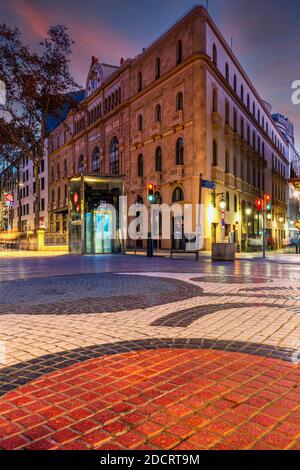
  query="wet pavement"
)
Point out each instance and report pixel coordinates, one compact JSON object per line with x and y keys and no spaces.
{"x":124,"y":352}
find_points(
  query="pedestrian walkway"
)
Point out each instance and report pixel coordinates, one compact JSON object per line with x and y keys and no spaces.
{"x":121,"y":352}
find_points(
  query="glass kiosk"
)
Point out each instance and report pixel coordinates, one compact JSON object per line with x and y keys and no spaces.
{"x":94,"y":214}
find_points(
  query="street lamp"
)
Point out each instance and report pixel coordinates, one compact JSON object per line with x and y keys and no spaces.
{"x":222,"y":204}
{"x":248,"y":212}
{"x":281,"y":219}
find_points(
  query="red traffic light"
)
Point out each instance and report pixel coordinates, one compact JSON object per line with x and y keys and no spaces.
{"x":258,"y":204}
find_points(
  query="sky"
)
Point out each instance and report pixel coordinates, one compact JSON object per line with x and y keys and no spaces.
{"x":266,"y":35}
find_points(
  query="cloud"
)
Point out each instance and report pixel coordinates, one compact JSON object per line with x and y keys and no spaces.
{"x":92,"y":36}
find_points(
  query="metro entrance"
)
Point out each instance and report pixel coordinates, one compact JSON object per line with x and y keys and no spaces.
{"x":94,"y":220}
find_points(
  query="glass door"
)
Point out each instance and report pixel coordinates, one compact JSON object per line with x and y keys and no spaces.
{"x":102,"y":231}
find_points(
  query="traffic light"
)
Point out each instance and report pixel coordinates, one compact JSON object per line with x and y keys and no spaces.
{"x":150,"y":187}
{"x":268,"y":202}
{"x":258,"y":204}
{"x":268,"y":206}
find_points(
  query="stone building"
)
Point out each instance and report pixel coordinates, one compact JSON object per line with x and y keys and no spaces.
{"x":181,"y":108}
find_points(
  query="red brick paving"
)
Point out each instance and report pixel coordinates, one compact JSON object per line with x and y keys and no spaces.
{"x":160,"y":399}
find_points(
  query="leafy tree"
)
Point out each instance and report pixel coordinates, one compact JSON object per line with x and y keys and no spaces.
{"x":37,"y":84}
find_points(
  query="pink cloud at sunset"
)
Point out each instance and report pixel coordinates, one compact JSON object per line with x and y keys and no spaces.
{"x":91,"y":37}
{"x":265,"y":36}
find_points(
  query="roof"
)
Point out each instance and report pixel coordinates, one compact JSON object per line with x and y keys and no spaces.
{"x":55,"y":119}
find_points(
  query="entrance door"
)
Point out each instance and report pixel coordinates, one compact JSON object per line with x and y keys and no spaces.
{"x":102,"y":231}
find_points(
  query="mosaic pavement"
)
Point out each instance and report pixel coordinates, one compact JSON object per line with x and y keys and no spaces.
{"x":187,"y":355}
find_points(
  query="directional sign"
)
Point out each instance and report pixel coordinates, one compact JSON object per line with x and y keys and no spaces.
{"x":9,"y":199}
{"x":208,"y":184}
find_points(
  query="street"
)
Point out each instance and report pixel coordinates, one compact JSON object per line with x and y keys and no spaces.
{"x":118,"y":352}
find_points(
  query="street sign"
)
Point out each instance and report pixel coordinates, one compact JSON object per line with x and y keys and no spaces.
{"x":9,"y":199}
{"x":208,"y":184}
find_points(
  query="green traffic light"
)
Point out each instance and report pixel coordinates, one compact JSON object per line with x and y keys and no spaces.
{"x":150,"y":198}
{"x":268,"y":207}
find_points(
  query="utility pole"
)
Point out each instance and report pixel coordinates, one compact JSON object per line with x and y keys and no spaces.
{"x":198,"y":227}
{"x":264,"y":229}
{"x":266,"y":208}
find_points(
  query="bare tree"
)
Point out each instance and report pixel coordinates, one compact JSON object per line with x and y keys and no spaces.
{"x":38,"y":83}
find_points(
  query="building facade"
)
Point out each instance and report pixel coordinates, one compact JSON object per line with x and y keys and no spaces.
{"x":287,"y":129}
{"x":19,"y":184}
{"x":181,"y":108}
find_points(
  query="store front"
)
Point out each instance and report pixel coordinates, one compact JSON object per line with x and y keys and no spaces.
{"x":94,"y":214}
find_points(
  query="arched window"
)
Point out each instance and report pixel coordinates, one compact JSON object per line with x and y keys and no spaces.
{"x":235,"y":120}
{"x":58,"y":196}
{"x":179,"y":52}
{"x":96,"y":159}
{"x":215,"y":55}
{"x":227,"y":201}
{"x":157,"y":113}
{"x":52,"y":173}
{"x":235,"y":83}
{"x":180,"y":151}
{"x":139,"y":200}
{"x":114,"y":156}
{"x":58,"y":171}
{"x":234,"y":166}
{"x":227,"y":112}
{"x":253,"y":109}
{"x":215,"y":100}
{"x":140,"y":165}
{"x":157,"y":68}
{"x":242,"y":93}
{"x":242,"y":128}
{"x":227,"y":72}
{"x":81,"y":164}
{"x":66,"y":193}
{"x":179,"y":102}
{"x":248,"y":135}
{"x":158,"y":159}
{"x":157,"y":198}
{"x":178,"y":195}
{"x":140,"y":81}
{"x":235,"y":204}
{"x":215,"y":154}
{"x":65,"y":167}
{"x":140,"y":122}
{"x":227,"y":162}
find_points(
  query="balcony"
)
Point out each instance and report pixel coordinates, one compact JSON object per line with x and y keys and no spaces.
{"x":229,"y":180}
{"x":176,"y":174}
{"x":177,"y":118}
{"x":137,"y":137}
{"x":238,"y":184}
{"x":216,"y":120}
{"x":155,"y":129}
{"x":245,"y":187}
{"x":137,"y":184}
{"x":156,"y":178}
{"x":228,"y":131}
{"x":217,"y":174}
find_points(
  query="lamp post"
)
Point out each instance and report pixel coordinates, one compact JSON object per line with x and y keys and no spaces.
{"x":222,"y":206}
{"x":248,"y":212}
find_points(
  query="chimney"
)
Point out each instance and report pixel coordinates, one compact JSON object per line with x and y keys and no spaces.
{"x":122,"y":61}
